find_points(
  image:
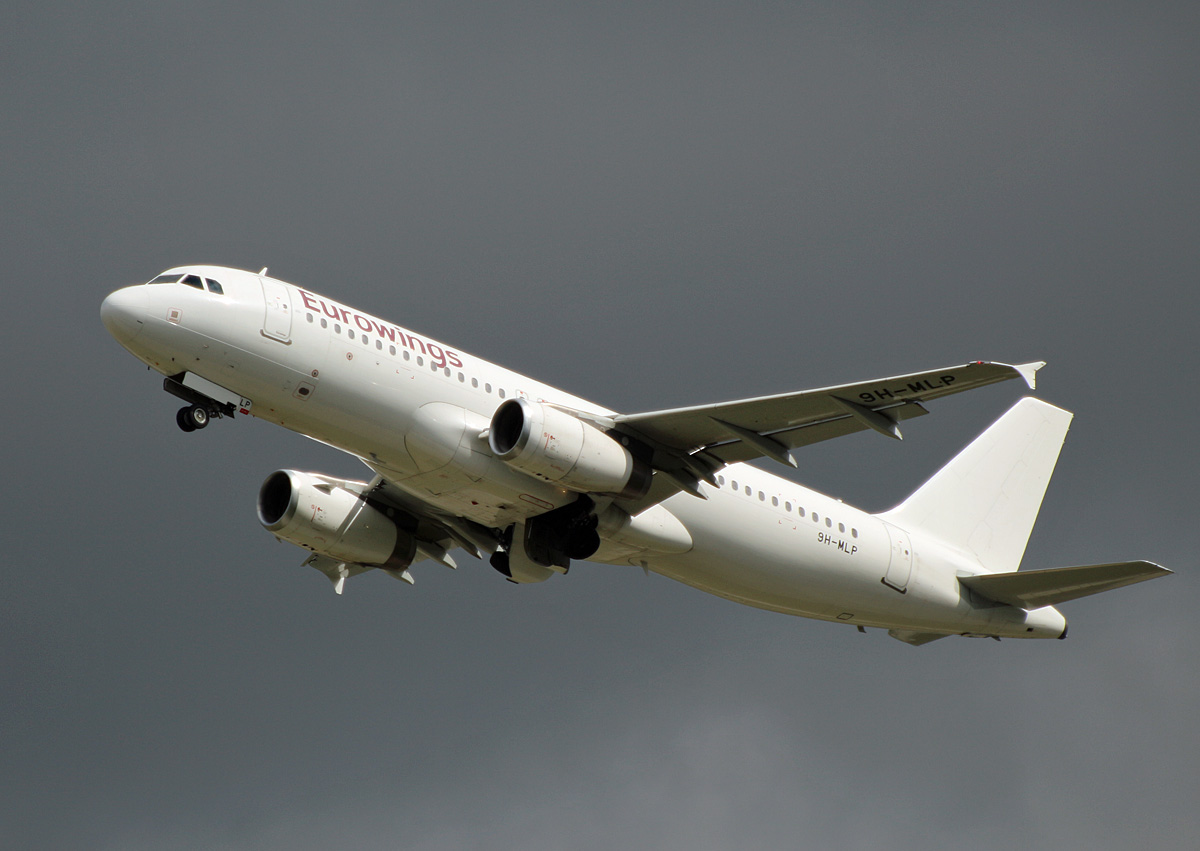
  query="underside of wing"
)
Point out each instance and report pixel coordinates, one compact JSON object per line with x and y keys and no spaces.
{"x":436,"y":532}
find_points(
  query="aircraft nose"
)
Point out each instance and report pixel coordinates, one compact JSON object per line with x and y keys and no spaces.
{"x":123,"y":312}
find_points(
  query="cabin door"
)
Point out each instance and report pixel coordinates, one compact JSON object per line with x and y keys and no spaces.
{"x":277,"y":320}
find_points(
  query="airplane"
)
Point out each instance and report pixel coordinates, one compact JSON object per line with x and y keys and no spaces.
{"x":467,"y":454}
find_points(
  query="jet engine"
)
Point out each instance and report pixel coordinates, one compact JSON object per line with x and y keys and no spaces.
{"x":327,"y":517}
{"x":550,"y":444}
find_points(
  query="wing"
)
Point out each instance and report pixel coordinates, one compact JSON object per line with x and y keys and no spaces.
{"x":691,"y":444}
{"x":436,"y":532}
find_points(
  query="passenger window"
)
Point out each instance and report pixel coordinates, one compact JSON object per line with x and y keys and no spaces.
{"x":488,"y":388}
{"x":407,"y":354}
{"x":193,"y":281}
{"x":842,"y":528}
{"x":854,"y":532}
{"x":762,"y":497}
{"x":801,"y":510}
{"x":816,"y":517}
{"x":735,"y":485}
{"x":787,"y":506}
{"x":474,"y":382}
{"x":420,"y":361}
{"x":337,"y":329}
{"x":828,"y":523}
{"x":775,"y":501}
{"x":324,"y":322}
{"x":379,"y":345}
{"x":391,"y":350}
{"x":310,"y":318}
{"x":350,"y":333}
{"x":214,"y":287}
{"x":749,"y":490}
{"x":461,"y":378}
{"x":501,"y":392}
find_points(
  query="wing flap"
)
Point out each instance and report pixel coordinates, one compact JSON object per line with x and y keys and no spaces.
{"x":1032,"y":589}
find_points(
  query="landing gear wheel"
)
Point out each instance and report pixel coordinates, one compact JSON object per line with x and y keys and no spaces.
{"x":192,"y":417}
{"x":198,"y":416}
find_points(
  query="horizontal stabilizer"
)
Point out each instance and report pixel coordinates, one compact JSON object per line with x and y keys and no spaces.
{"x":1032,"y":589}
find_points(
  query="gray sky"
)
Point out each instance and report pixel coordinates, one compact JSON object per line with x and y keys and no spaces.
{"x":648,"y":205}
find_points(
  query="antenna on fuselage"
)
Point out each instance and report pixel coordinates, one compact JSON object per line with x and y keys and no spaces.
{"x":264,"y":271}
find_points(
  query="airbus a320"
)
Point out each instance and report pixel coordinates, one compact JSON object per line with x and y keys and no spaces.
{"x":464,"y":454}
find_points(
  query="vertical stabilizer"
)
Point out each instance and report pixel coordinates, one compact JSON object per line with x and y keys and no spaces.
{"x":985,"y":500}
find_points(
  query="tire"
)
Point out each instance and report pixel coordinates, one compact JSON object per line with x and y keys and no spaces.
{"x":197,"y":416}
{"x":183,"y":420}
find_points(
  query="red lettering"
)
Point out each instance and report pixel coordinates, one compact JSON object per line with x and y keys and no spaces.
{"x":439,"y":357}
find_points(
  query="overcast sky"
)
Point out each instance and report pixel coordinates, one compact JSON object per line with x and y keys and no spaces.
{"x":647,"y":204}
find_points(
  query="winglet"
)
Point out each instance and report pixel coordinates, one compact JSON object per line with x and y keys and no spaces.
{"x":1029,"y":371}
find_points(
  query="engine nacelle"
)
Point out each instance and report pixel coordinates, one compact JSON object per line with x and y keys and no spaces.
{"x":550,"y":444}
{"x":320,"y":515}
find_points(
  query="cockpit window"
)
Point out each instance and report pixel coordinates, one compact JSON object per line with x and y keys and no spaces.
{"x":191,"y":281}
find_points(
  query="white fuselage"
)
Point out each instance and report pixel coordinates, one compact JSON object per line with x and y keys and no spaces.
{"x":418,"y":410}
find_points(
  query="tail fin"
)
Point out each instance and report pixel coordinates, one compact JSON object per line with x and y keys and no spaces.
{"x":986,"y":499}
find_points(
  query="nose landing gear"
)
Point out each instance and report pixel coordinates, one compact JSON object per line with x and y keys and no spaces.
{"x":205,"y":401}
{"x":192,"y":417}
